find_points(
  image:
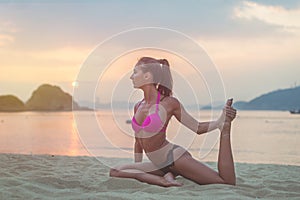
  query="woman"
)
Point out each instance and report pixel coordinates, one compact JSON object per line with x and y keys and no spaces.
{"x":151,"y":118}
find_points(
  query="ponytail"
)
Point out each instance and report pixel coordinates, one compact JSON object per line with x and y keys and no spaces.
{"x":166,"y":82}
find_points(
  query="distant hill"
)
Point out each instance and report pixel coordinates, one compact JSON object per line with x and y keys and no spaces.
{"x":50,"y":98}
{"x":283,"y":99}
{"x":10,"y":103}
{"x":45,"y":98}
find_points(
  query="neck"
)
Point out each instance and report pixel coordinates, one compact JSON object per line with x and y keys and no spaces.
{"x":150,"y":94}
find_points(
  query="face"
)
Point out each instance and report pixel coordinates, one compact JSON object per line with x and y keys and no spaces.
{"x":138,"y":77}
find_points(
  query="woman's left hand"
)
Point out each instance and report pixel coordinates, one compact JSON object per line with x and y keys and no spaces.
{"x":228,"y":113}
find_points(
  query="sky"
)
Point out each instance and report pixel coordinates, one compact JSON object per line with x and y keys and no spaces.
{"x":254,"y":45}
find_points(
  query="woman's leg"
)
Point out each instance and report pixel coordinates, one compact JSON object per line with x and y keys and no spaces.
{"x":196,"y":171}
{"x":225,"y":158}
{"x":144,"y":172}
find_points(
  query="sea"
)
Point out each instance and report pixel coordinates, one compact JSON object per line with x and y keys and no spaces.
{"x":271,"y":137}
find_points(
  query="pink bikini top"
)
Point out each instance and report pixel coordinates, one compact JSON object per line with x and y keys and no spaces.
{"x":152,"y":123}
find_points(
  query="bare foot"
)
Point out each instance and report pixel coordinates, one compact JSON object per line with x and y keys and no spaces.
{"x":169,"y":177}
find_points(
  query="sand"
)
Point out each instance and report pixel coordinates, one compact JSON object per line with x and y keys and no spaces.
{"x":64,"y":177}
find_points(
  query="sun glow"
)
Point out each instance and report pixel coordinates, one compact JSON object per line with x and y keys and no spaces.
{"x":75,"y":84}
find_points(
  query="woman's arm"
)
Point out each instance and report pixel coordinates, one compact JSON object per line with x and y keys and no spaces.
{"x":138,"y":151}
{"x":186,"y":119}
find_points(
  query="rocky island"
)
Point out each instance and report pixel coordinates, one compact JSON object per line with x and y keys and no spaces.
{"x":10,"y":103}
{"x":45,"y":98}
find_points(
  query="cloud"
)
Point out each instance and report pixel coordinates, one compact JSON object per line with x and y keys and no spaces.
{"x":288,"y":19}
{"x":266,"y":52}
{"x":70,"y":55}
{"x":6,"y":39}
{"x":7,"y":31}
{"x":53,"y":65}
{"x":8,"y":27}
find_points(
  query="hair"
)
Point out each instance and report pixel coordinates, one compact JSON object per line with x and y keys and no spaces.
{"x":160,"y":69}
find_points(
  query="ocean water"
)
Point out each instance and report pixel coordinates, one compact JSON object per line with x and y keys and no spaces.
{"x":257,"y":136}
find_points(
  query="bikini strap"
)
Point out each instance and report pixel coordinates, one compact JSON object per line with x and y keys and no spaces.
{"x":157,"y":101}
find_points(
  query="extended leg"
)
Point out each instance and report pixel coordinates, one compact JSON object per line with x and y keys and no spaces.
{"x":225,"y":158}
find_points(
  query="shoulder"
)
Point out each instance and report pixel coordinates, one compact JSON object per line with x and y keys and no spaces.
{"x":174,"y":107}
{"x":172,"y":102}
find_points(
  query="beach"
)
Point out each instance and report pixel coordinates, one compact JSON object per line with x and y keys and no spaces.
{"x":84,"y":177}
{"x":44,"y":157}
